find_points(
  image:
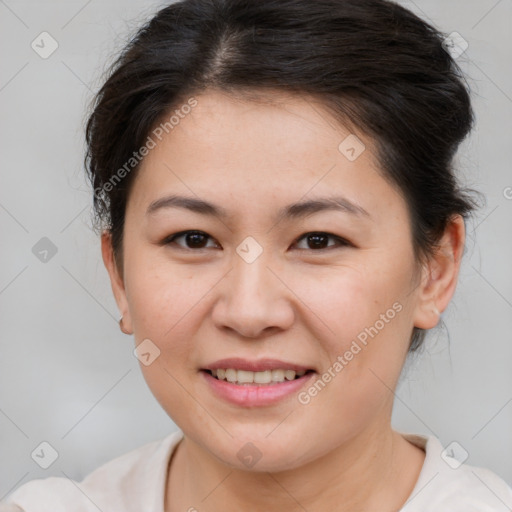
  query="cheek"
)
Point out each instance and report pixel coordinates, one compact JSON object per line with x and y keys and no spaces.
{"x":160,"y":295}
{"x":347,"y":301}
{"x":164,"y":304}
{"x":364,"y":329}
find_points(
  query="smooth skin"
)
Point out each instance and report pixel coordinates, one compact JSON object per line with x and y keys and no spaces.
{"x":199,"y":301}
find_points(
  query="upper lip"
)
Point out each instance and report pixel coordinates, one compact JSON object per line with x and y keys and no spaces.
{"x":259,"y":365}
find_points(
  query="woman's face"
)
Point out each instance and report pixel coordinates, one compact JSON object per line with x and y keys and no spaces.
{"x":340,"y":303}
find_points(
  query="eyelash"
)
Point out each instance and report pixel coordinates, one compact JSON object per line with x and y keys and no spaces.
{"x":341,"y":241}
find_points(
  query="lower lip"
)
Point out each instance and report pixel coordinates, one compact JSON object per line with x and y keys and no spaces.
{"x":253,"y":395}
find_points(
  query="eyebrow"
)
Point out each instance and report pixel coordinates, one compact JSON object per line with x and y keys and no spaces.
{"x":292,"y":211}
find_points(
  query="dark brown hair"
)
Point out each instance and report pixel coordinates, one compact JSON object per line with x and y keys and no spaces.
{"x":375,"y":65}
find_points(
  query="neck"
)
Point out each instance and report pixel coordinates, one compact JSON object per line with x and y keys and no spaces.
{"x":364,"y":473}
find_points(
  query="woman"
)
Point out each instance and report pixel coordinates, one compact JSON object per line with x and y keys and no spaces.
{"x":281,"y":225}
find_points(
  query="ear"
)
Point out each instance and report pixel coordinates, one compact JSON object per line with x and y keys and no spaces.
{"x":439,"y":278}
{"x":116,"y":280}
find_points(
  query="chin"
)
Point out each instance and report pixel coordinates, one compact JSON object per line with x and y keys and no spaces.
{"x":260,"y":452}
{"x":260,"y":461}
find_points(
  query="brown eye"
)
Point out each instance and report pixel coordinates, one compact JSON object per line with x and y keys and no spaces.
{"x":319,"y":240}
{"x":193,"y":239}
{"x":198,"y":240}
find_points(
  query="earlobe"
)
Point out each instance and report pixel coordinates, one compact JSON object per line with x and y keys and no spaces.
{"x":116,"y":281}
{"x":440,"y":276}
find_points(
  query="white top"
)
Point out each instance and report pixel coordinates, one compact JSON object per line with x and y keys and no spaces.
{"x":135,"y":482}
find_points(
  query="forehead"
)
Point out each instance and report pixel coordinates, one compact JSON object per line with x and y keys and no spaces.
{"x":279,"y":146}
{"x":276,"y":120}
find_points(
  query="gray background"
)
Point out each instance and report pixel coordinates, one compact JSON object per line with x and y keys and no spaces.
{"x":68,"y":376}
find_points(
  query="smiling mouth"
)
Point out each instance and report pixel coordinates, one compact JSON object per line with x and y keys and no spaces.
{"x":248,"y":378}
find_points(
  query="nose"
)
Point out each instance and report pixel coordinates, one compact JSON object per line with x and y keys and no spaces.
{"x":254,"y":302}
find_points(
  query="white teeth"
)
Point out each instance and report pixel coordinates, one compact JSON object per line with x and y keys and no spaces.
{"x":245,"y":377}
{"x":289,"y":374}
{"x":264,"y":377}
{"x":278,"y":375}
{"x":231,"y":375}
